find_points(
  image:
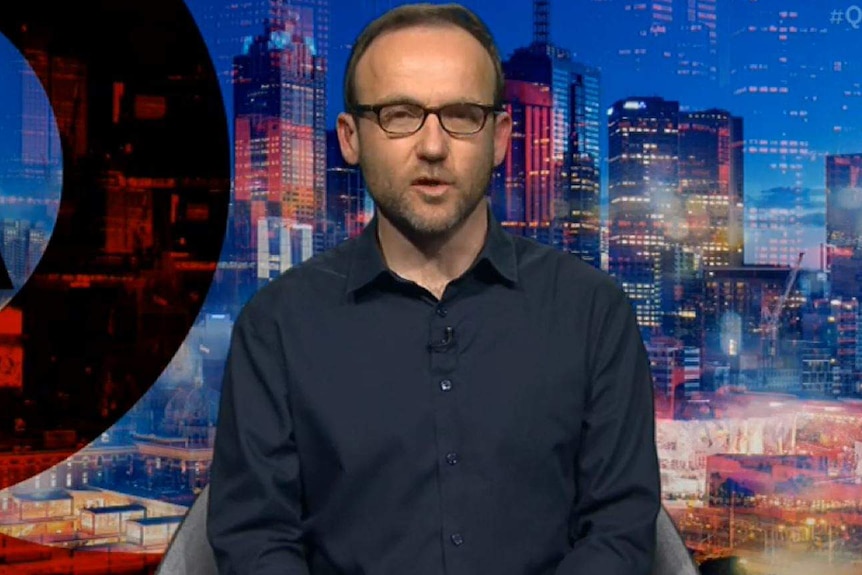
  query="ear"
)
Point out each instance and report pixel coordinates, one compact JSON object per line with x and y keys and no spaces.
{"x":348,"y":138}
{"x":502,"y":135}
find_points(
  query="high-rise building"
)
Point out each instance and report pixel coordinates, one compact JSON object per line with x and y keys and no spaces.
{"x":280,"y":138}
{"x":281,"y":244}
{"x":347,"y":202}
{"x":54,"y":90}
{"x":523,"y":184}
{"x":560,"y":192}
{"x":675,"y":182}
{"x":844,"y":223}
{"x":846,"y":317}
{"x":681,"y":280}
{"x":675,"y":370}
{"x":844,"y":200}
{"x":643,"y":182}
{"x":227,"y":27}
{"x":296,"y":34}
{"x":733,"y":309}
{"x":858,"y":364}
{"x":710,"y":173}
{"x":582,"y":226}
{"x":15,"y":249}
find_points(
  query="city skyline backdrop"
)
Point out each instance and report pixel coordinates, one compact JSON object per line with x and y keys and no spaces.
{"x":702,"y":127}
{"x":786,"y":68}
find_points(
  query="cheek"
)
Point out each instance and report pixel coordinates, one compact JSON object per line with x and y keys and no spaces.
{"x":477,"y":160}
{"x":382,"y":169}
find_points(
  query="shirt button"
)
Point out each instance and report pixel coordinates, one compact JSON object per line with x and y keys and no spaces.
{"x":446,"y":384}
{"x":452,"y":458}
{"x":457,"y":539}
{"x":442,"y":311}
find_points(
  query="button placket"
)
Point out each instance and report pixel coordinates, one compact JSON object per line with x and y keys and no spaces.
{"x":443,"y":351}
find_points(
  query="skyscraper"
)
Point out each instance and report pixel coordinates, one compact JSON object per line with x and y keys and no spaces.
{"x":63,"y":100}
{"x":280,"y":140}
{"x":710,"y":170}
{"x":844,"y":223}
{"x":560,"y":190}
{"x":228,"y":25}
{"x":643,"y":179}
{"x":347,"y":206}
{"x":523,"y":184}
{"x":844,"y":200}
{"x":582,"y":222}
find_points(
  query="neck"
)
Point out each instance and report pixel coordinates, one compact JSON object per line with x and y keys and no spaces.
{"x":433,"y":262}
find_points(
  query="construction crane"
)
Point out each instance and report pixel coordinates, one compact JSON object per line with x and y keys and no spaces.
{"x":770,"y":317}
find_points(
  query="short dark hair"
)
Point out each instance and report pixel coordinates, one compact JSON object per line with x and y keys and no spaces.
{"x":411,"y":15}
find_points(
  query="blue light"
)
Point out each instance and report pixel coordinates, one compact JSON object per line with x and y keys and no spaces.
{"x":247,"y":41}
{"x":309,"y":41}
{"x":279,"y":39}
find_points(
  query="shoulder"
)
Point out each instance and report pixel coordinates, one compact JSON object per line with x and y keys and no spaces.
{"x":564,"y":275}
{"x":318,"y":281}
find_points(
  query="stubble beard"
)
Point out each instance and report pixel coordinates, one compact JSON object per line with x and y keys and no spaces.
{"x":397,"y":206}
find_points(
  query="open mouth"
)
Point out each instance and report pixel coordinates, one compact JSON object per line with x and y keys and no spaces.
{"x":429,"y":182}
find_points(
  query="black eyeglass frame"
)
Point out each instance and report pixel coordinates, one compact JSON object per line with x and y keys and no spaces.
{"x":426,"y":111}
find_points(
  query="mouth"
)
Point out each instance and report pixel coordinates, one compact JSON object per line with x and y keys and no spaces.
{"x":431,"y":185}
{"x":424,"y":181}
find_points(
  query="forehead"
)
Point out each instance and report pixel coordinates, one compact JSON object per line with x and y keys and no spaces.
{"x":431,"y":63}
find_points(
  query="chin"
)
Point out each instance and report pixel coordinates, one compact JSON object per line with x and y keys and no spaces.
{"x":426,"y":223}
{"x":432,"y":227}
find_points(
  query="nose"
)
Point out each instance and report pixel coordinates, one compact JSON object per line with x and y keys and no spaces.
{"x":433,"y":140}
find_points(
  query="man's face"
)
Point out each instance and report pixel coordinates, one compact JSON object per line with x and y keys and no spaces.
{"x":429,"y":182}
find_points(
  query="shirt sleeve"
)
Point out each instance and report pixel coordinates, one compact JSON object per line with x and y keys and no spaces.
{"x":618,"y":480}
{"x":254,"y":510}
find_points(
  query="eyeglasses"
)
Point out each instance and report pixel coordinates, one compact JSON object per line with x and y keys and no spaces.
{"x":459,"y":119}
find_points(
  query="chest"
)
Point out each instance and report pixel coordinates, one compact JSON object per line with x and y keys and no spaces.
{"x":504,"y":374}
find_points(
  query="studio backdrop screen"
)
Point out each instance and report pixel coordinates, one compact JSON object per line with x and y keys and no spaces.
{"x":162,"y":160}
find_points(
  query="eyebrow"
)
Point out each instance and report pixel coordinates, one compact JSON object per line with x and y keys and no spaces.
{"x":398,"y":99}
{"x":404,"y":99}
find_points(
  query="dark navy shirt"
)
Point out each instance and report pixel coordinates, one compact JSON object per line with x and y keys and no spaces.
{"x":367,"y":428}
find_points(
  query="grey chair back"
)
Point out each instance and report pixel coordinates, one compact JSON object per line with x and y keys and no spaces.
{"x":189,"y":552}
{"x":671,"y":557}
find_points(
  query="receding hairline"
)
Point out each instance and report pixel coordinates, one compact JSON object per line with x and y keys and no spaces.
{"x":428,"y":16}
{"x":431,"y":24}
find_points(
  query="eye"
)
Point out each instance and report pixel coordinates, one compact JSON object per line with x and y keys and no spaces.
{"x":463,"y":112}
{"x":400,"y":112}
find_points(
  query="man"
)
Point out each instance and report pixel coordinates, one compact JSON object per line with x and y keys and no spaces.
{"x":435,"y":396}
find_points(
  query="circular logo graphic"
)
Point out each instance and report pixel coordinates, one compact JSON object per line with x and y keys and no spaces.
{"x":120,"y":107}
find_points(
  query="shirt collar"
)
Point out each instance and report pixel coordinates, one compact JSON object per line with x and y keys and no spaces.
{"x":367,"y":263}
